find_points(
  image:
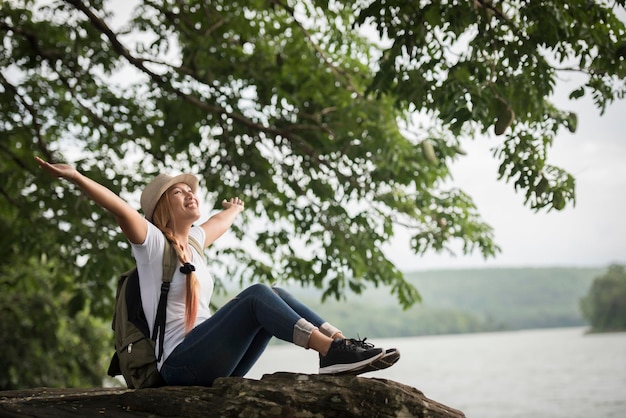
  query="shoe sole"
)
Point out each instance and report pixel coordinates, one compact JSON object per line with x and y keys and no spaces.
{"x":388,"y":359}
{"x":350,"y":368}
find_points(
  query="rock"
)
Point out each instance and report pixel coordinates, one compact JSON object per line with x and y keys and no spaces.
{"x":275,"y":395}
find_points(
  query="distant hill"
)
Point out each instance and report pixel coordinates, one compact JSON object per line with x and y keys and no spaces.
{"x":512,"y":297}
{"x":469,"y":300}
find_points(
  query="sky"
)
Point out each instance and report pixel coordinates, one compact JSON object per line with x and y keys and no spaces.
{"x":591,"y":234}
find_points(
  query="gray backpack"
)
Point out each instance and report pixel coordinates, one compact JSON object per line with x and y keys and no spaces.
{"x":134,"y":356}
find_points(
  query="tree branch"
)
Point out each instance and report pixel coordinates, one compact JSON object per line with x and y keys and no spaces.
{"x":163,"y":82}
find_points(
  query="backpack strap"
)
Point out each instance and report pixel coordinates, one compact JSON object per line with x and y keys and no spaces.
{"x":170,"y":261}
{"x":195,"y":244}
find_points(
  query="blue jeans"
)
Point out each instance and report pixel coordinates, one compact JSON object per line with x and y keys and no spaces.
{"x":232,"y":339}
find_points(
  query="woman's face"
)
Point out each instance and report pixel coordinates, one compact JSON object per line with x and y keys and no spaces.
{"x":183,"y":202}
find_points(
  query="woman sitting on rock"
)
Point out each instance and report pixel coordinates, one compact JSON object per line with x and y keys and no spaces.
{"x":200,"y":346}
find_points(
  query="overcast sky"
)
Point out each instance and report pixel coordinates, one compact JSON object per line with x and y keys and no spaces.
{"x":593,"y":233}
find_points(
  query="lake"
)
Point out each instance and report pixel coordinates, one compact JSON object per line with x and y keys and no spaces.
{"x":545,"y":373}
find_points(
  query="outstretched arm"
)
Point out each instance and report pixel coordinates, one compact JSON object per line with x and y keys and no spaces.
{"x":219,"y":223}
{"x":133,"y":225}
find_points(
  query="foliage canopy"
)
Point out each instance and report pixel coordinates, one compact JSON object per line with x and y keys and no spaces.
{"x":290,"y":105}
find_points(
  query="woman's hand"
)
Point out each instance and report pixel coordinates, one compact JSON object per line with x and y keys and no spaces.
{"x":134,"y":226}
{"x":58,"y":170}
{"x":219,"y":223}
{"x":234,"y":202}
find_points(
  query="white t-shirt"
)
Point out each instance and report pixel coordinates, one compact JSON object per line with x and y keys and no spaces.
{"x":149,"y":258}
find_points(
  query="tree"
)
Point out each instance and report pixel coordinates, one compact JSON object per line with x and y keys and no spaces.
{"x":604,"y":307}
{"x":292,"y":106}
{"x":49,"y":336}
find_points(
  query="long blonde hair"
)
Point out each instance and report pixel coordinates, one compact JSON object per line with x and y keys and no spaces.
{"x":161,"y":218}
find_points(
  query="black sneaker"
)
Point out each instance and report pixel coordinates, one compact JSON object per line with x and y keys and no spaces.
{"x":347,"y":356}
{"x":388,"y":359}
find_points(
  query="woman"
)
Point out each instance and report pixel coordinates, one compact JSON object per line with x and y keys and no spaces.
{"x":199,"y":346}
